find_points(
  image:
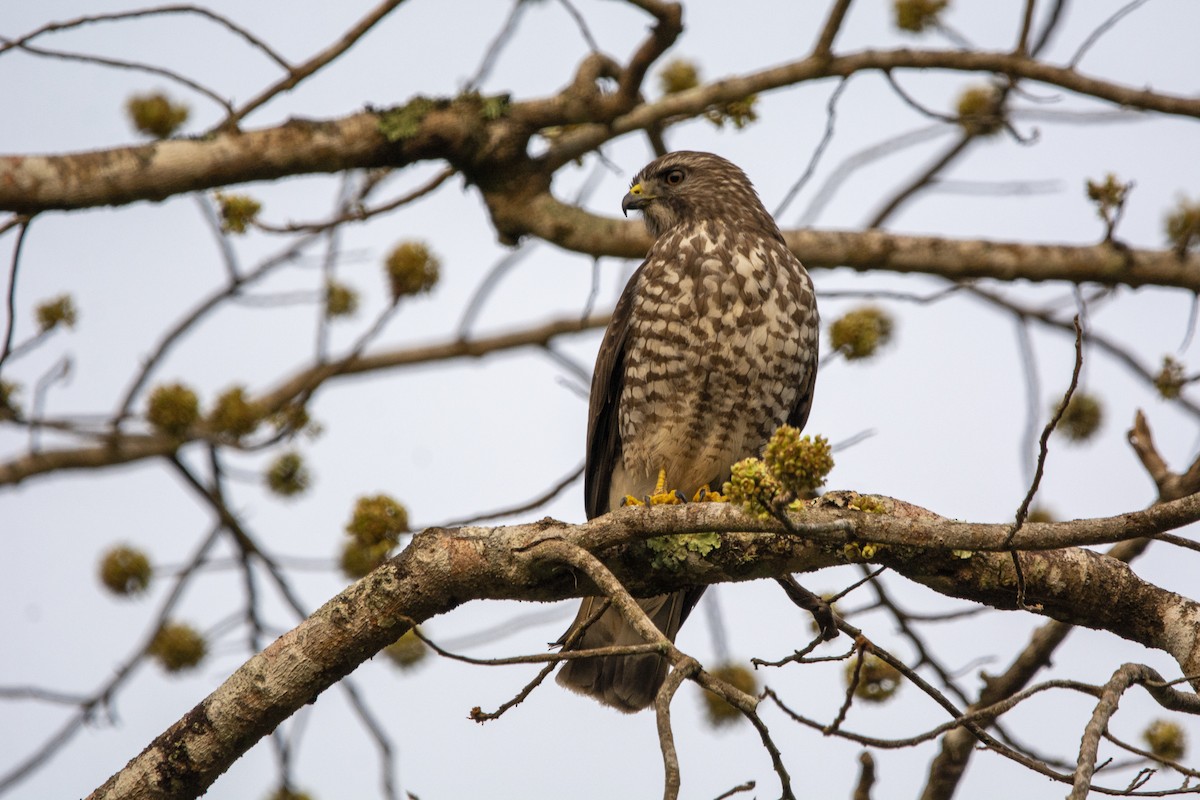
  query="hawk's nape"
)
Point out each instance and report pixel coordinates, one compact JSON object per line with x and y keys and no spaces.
{"x":712,"y":346}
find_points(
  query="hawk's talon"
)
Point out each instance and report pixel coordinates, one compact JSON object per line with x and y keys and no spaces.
{"x":662,"y":496}
{"x":706,"y":495}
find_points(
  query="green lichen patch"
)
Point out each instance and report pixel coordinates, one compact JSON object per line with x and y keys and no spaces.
{"x":404,"y":122}
{"x":671,"y":551}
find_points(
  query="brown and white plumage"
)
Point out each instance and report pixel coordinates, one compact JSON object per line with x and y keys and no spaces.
{"x":712,"y":346}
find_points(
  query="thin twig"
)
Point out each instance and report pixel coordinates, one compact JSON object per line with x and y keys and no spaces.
{"x":300,"y":72}
{"x":1102,"y":29}
{"x":813,"y":160}
{"x":11,"y":294}
{"x":662,"y":715}
{"x":1039,"y":470}
{"x":105,"y":695}
{"x":55,"y":27}
{"x":119,"y":63}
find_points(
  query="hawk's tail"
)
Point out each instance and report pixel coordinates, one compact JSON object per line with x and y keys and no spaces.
{"x":627,"y":682}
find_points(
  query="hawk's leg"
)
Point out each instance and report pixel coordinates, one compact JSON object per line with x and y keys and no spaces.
{"x":662,"y":495}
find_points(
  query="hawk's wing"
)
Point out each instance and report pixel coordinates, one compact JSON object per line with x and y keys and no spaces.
{"x":798,"y":415}
{"x":604,"y":430}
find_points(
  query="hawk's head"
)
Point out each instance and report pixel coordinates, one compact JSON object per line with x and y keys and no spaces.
{"x":686,"y":188}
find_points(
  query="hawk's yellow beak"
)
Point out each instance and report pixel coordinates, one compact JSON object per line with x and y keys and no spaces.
{"x":636,"y":199}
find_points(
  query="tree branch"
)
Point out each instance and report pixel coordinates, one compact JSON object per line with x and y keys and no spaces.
{"x":954,"y":259}
{"x":442,"y":569}
{"x":454,"y":130}
{"x":124,"y":448}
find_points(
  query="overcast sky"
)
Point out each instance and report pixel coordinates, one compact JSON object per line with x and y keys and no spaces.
{"x":945,"y":404}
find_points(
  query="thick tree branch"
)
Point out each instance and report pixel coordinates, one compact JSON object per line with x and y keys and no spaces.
{"x":442,"y":569}
{"x":683,"y":105}
{"x":947,"y":768}
{"x":160,"y":170}
{"x":456,"y":131}
{"x":577,"y":230}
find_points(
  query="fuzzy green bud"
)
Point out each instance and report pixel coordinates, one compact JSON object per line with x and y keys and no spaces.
{"x":340,"y":300}
{"x":291,"y":418}
{"x":358,"y":559}
{"x":877,"y":680}
{"x":1183,"y":225}
{"x":1170,"y":379}
{"x":799,"y":463}
{"x":916,"y":16}
{"x":125,"y":571}
{"x":411,"y":269}
{"x":235,"y":415}
{"x":1166,"y":739}
{"x":178,"y":647}
{"x":288,"y":476}
{"x":859,"y":333}
{"x":155,"y":115}
{"x":377,"y":519}
{"x":238,"y":211}
{"x":173,"y":409}
{"x":1109,"y":194}
{"x":407,"y":651}
{"x":1082,"y":418}
{"x":720,"y":712}
{"x":979,"y":110}
{"x":679,"y":75}
{"x":57,"y":311}
{"x":752,"y":486}
{"x":739,"y":113}
{"x":1040,"y":514}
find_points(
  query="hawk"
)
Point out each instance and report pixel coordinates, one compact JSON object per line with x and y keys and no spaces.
{"x":711,"y":347}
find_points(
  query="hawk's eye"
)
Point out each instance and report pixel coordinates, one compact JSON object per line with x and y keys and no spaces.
{"x":674,"y":177}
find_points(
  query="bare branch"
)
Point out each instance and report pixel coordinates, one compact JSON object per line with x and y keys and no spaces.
{"x":1122,"y":679}
{"x":122,"y":449}
{"x":300,"y":72}
{"x":11,"y":295}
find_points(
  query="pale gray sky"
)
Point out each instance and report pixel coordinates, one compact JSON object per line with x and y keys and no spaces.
{"x":946,"y":401}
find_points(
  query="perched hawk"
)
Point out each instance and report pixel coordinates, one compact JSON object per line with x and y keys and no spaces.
{"x":712,"y":346}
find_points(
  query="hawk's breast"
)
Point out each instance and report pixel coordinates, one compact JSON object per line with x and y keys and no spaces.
{"x":722,"y":338}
